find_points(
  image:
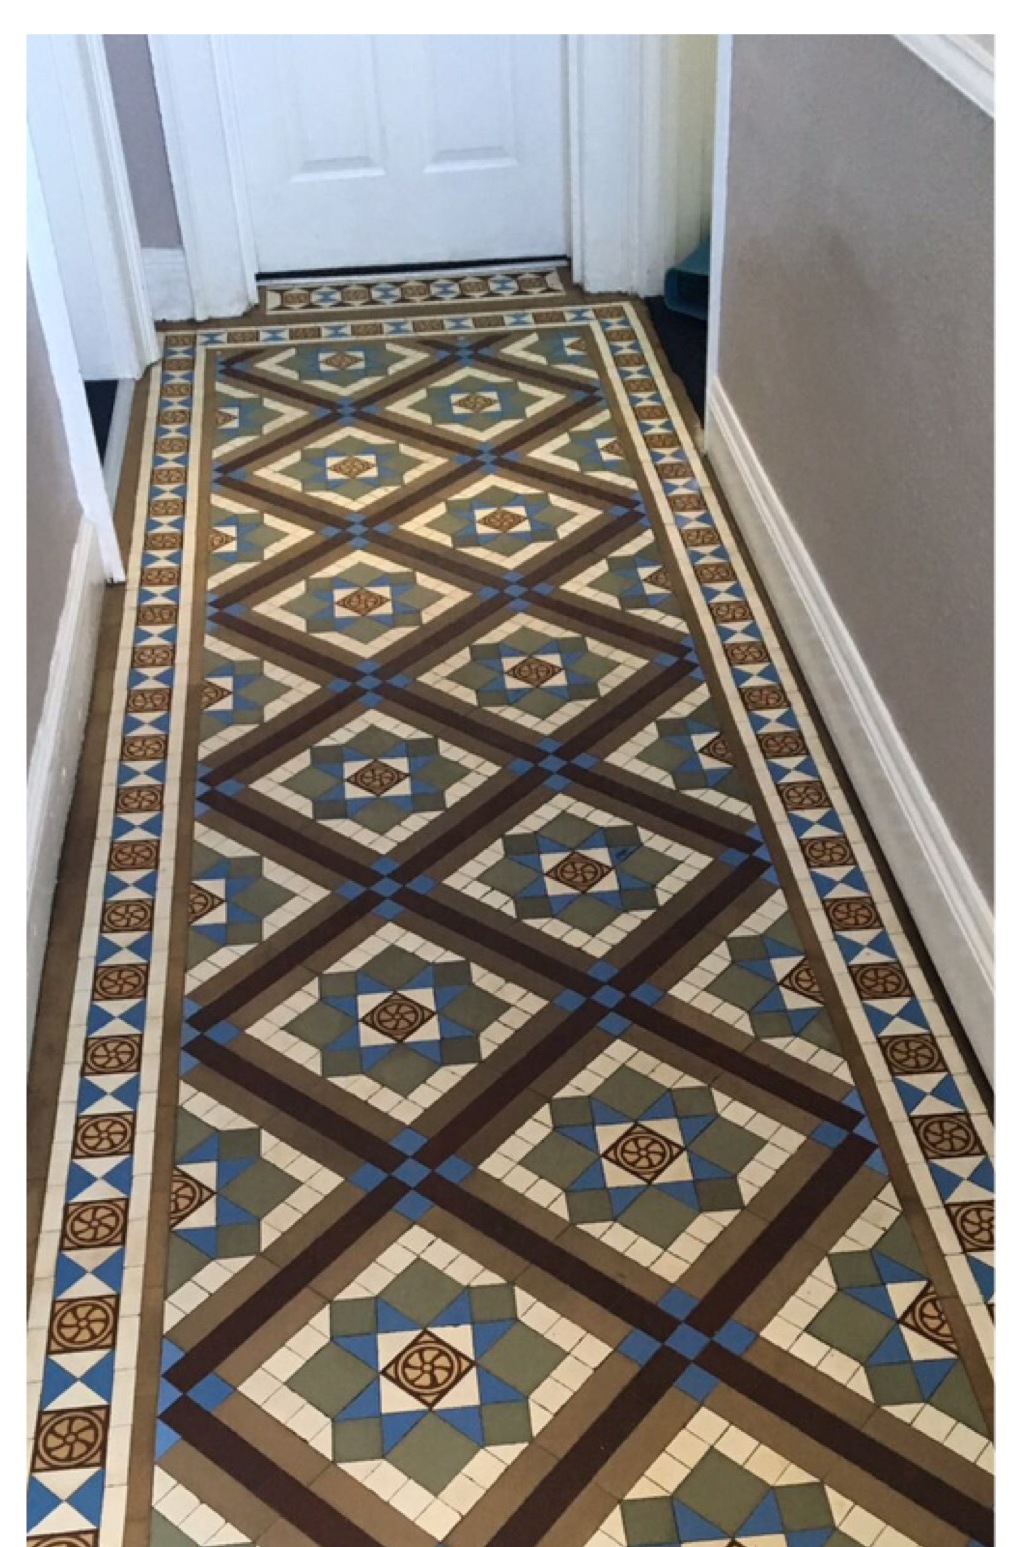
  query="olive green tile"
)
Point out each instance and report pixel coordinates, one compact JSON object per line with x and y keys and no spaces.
{"x":523,"y":1358}
{"x":804,"y":1506}
{"x":657,"y":1217}
{"x":433,"y":1453}
{"x":357,"y":1439}
{"x":727,"y":1145}
{"x":559,"y":1159}
{"x":507,"y":1423}
{"x":649,"y":1521}
{"x":330,"y":1379}
{"x":721,"y":1491}
{"x":851,"y":1327}
{"x":421,"y":1291}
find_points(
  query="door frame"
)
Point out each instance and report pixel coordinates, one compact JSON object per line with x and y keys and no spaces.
{"x":56,"y":325}
{"x":622,"y":132}
{"x":85,"y":184}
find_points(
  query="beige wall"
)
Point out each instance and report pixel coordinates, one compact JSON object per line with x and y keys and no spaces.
{"x":53,"y":517}
{"x":139,"y":118}
{"x":856,"y":347}
{"x":696,"y":71}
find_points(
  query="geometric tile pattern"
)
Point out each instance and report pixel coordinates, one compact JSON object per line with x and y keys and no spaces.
{"x":759,"y":979}
{"x":376,"y":779}
{"x":533,"y":673}
{"x":398,"y":1022}
{"x":583,"y":877}
{"x":645,"y":1158}
{"x":716,"y":1483}
{"x":425,"y":1370}
{"x":869,"y":1317}
{"x":414,"y":291}
{"x":563,"y":1143}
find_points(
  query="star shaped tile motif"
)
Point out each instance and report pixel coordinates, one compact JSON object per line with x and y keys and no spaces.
{"x":476,"y":403}
{"x":424,"y":1369}
{"x":644,"y":1157}
{"x":579,"y":874}
{"x":504,"y":521}
{"x":376,"y":779}
{"x":350,"y":468}
{"x":360,"y":603}
{"x":534,"y":673}
{"x":400,"y":1024}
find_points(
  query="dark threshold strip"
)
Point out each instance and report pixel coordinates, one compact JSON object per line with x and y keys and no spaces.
{"x":457,"y":266}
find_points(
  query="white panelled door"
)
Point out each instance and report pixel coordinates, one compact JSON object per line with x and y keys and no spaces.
{"x":362,"y":150}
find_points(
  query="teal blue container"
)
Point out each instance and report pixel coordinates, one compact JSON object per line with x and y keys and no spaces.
{"x":686,"y":283}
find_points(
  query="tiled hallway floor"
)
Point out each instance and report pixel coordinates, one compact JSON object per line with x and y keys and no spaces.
{"x":500,"y":1105}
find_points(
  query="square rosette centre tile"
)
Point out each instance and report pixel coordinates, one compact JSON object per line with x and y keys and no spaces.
{"x":397,"y":1022}
{"x":427,"y":1369}
{"x":376,"y":779}
{"x":583,"y":875}
{"x":533,"y":672}
{"x":644,"y":1157}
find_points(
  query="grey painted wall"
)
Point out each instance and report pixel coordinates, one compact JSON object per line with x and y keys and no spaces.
{"x":139,"y":118}
{"x":53,"y":515}
{"x":856,"y":346}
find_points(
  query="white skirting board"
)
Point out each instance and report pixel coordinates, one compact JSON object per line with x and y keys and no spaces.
{"x":949,"y":909}
{"x":168,"y":283}
{"x":58,"y":743}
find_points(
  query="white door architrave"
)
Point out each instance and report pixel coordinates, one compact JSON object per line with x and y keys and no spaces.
{"x":621,"y":139}
{"x":85,"y":184}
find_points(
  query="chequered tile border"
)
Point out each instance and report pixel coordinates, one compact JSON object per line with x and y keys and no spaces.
{"x":95,"y":1212}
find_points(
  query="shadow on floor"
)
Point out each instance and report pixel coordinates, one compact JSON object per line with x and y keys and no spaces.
{"x":685,"y":341}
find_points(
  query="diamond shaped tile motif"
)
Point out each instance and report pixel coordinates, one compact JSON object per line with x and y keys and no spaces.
{"x":717,"y":1483}
{"x":350,"y":468}
{"x":242,"y":417}
{"x":376,"y":779}
{"x":534,"y":673}
{"x":360,"y":604}
{"x":686,"y":749}
{"x":235,"y":1190}
{"x":241,"y":537}
{"x":577,"y":873}
{"x":242,"y":690}
{"x":400,"y":1024}
{"x":425,"y":1364}
{"x":594,"y":448}
{"x":499,"y":1104}
{"x":760,"y":980}
{"x":502,"y":521}
{"x":643,"y":1157}
{"x":477,"y":403}
{"x":343,"y":370}
{"x":634,"y":579}
{"x":870,"y":1318}
{"x":237,"y":899}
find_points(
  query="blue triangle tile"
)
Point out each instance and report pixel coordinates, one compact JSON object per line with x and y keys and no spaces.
{"x":931,"y":1372}
{"x":396,"y":1426}
{"x":467,"y":1421}
{"x":764,"y":1520}
{"x":693,"y":1527}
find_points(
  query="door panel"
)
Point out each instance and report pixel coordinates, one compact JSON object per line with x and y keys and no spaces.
{"x":334,"y":133}
{"x":387,"y":150}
